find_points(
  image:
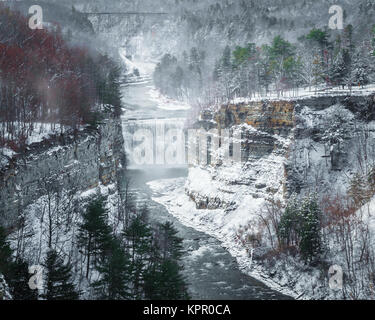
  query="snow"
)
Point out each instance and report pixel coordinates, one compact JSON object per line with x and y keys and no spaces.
{"x":230,"y":197}
{"x":226,"y":202}
{"x":217,"y":223}
{"x":66,"y":219}
{"x":306,"y":93}
{"x":4,"y":289}
{"x":145,"y":66}
{"x":166,"y":103}
{"x":40,"y":131}
{"x":5,"y":155}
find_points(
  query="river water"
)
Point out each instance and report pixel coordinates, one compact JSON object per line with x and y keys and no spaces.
{"x":211,"y":272}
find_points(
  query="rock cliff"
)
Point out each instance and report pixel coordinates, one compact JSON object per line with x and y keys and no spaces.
{"x":72,"y":161}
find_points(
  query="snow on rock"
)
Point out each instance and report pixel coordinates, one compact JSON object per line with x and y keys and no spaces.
{"x":216,"y":222}
{"x":306,"y":93}
{"x":4,"y":289}
{"x":321,"y":152}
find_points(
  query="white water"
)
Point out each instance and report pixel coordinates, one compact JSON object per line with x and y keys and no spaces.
{"x":211,"y":270}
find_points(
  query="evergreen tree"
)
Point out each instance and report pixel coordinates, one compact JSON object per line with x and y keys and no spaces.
{"x":309,"y":230}
{"x":18,"y":281}
{"x":94,"y":233}
{"x":361,"y":69}
{"x":265,"y":70}
{"x":114,"y":269}
{"x":166,"y":282}
{"x":289,"y":224}
{"x":318,"y":36}
{"x":318,"y":41}
{"x":339,"y":69}
{"x":5,"y":253}
{"x":281,"y":55}
{"x":163,"y":280}
{"x":170,"y":243}
{"x":16,"y":273}
{"x":59,"y":285}
{"x":139,"y":243}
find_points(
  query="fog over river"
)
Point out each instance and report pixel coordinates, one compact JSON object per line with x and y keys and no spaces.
{"x":212,"y":273}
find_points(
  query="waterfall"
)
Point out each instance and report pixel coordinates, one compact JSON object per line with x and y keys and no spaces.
{"x":155,"y":142}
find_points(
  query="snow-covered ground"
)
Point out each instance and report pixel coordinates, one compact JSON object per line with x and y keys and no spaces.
{"x":146,"y":69}
{"x":166,"y":103}
{"x":39,"y":131}
{"x":60,"y":214}
{"x":217,"y":223}
{"x":305,"y":93}
{"x":229,"y":202}
{"x":288,"y":275}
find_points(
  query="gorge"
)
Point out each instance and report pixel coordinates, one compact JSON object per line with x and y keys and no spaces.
{"x":249,"y":126}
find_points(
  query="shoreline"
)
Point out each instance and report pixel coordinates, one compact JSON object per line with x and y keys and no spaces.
{"x":232,"y":247}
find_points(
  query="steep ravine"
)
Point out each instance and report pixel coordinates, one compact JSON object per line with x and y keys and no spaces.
{"x":211,"y":271}
{"x":73,"y":161}
{"x":305,"y":146}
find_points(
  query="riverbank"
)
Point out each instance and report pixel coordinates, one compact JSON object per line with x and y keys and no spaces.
{"x":171,"y":194}
{"x":211,"y":271}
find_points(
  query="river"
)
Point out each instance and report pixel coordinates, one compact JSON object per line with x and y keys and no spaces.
{"x":211,"y":272}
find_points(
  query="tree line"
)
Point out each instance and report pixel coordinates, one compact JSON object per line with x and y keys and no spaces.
{"x":320,"y":58}
{"x":140,"y":262}
{"x":332,"y":229}
{"x":45,"y":79}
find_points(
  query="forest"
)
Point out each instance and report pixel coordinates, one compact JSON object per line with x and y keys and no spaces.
{"x":46,"y":80}
{"x":320,"y":59}
{"x":87,"y":250}
{"x":139,"y":262}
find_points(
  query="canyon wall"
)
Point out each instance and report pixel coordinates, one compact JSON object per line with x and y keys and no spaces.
{"x":288,"y":146}
{"x":75,"y":162}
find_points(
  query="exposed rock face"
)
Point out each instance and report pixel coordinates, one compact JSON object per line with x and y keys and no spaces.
{"x":74,"y":162}
{"x":270,"y":116}
{"x":301,"y":146}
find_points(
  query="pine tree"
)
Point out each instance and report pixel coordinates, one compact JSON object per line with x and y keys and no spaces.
{"x":16,"y":273}
{"x":5,"y":253}
{"x":317,"y":39}
{"x":289,"y":224}
{"x":94,"y":233}
{"x":18,"y":281}
{"x":170,"y":243}
{"x":339,"y":69}
{"x":166,"y":282}
{"x":59,"y":285}
{"x":114,"y":269}
{"x":163,"y":279}
{"x":139,"y":243}
{"x":309,"y":231}
{"x":361,"y":69}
